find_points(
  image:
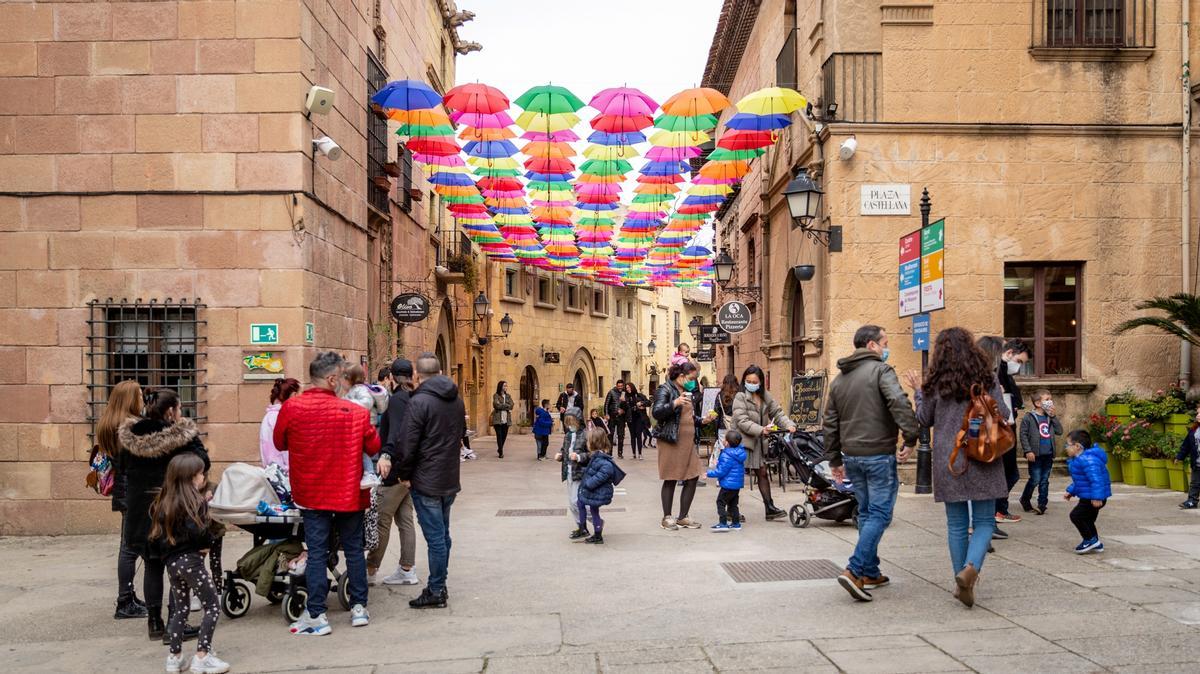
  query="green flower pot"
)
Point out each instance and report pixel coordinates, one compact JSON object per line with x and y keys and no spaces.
{"x":1117,"y":410}
{"x":1180,"y":419}
{"x":1114,"y":468}
{"x":1156,"y":473}
{"x":1131,"y":469}
{"x":1177,"y":476}
{"x":1158,"y":427}
{"x":1177,"y":430}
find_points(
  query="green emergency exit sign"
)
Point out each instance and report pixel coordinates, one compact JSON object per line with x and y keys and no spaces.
{"x":264,"y":333}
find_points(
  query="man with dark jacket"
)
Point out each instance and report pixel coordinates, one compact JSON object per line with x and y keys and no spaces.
{"x":566,"y":400}
{"x":1015,"y":355}
{"x":614,"y":411}
{"x":430,"y":444}
{"x":326,"y":437}
{"x":865,"y":412}
{"x":394,"y":500}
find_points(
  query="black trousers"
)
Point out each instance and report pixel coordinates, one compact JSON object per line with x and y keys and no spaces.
{"x":126,"y":568}
{"x":727,"y":504}
{"x":1012,"y":475}
{"x":188,"y":576}
{"x":501,"y":436}
{"x":616,"y":436}
{"x":637,"y":440}
{"x":1084,"y":515}
{"x":1194,"y":488}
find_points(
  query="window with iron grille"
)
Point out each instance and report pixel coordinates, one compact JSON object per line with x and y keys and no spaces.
{"x":377,"y":141}
{"x":1094,"y":23}
{"x":155,"y":344}
{"x":406,"y":177}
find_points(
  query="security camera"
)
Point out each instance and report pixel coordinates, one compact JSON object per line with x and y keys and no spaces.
{"x":327,"y":147}
{"x":847,"y":148}
{"x":319,"y":100}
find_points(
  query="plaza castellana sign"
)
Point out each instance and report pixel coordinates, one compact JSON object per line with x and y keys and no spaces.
{"x":885,"y":200}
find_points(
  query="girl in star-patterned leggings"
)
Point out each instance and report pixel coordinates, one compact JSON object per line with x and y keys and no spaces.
{"x":189,"y":575}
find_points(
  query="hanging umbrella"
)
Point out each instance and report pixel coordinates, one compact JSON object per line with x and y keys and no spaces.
{"x":549,"y":99}
{"x":745,"y":140}
{"x":699,"y":101}
{"x":627,"y":138}
{"x":564,"y":136}
{"x":621,"y":124}
{"x":609,"y":151}
{"x":456,"y":179}
{"x":420,"y":117}
{"x":722,"y":154}
{"x":684,"y":123}
{"x":477,"y":98}
{"x":420,"y":130}
{"x":744,"y":121}
{"x":434,"y":145}
{"x":678,"y":138}
{"x":480,"y":120}
{"x":623,"y":101}
{"x":546,"y":123}
{"x":658,"y":153}
{"x":481,"y":134}
{"x":540,"y":148}
{"x":407,"y":95}
{"x":490,"y":149}
{"x":772,"y":101}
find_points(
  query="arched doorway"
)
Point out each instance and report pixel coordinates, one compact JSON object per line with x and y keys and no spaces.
{"x":440,"y":351}
{"x":474,"y":385}
{"x":583,"y":375}
{"x":530,"y":391}
{"x":797,"y":329}
{"x":581,"y":384}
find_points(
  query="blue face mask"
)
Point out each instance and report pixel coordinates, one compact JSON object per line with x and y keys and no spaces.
{"x":884,"y":356}
{"x":752,"y":388}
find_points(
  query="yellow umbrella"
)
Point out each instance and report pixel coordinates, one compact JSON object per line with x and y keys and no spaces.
{"x":709,"y":190}
{"x":543,"y":123}
{"x":609,"y":152}
{"x":678,"y":138}
{"x":499,"y":162}
{"x":772,"y":101}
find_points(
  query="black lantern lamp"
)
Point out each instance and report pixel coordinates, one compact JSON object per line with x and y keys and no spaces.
{"x":723,"y":268}
{"x":651,"y":348}
{"x":506,"y":324}
{"x":481,"y":305}
{"x":804,"y":203}
{"x":694,"y":327}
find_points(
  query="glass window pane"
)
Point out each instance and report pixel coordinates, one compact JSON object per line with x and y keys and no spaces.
{"x":1061,"y":320}
{"x":179,"y":337}
{"x":1018,"y":284}
{"x":1061,"y":283}
{"x":1059,"y":358}
{"x":1018,"y":321}
{"x":131,"y":337}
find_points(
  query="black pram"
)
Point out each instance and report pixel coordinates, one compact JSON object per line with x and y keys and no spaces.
{"x":824,"y":498}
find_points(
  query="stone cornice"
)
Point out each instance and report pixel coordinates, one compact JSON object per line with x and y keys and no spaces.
{"x":973,"y":129}
{"x":906,"y":15}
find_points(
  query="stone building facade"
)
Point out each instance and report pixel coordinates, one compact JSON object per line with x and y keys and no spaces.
{"x":159,"y":154}
{"x":1053,"y":150}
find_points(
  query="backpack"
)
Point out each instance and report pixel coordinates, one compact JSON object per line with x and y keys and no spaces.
{"x":985,"y":436}
{"x":101,"y":476}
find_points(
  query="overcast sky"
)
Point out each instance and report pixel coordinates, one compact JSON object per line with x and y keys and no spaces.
{"x":658,"y":46}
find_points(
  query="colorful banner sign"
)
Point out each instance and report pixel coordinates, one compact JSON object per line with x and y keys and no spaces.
{"x":910,"y":274}
{"x":933,"y":248}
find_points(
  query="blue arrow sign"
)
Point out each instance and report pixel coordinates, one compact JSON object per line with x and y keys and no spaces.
{"x":920,"y":332}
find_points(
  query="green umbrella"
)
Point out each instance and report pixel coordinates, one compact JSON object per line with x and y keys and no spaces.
{"x":418,"y":130}
{"x":473,"y":199}
{"x":599,"y":167}
{"x":549,"y":99}
{"x":652,"y":198}
{"x":721,"y":154}
{"x":682,"y":123}
{"x":549,"y":185}
{"x":496,"y":172}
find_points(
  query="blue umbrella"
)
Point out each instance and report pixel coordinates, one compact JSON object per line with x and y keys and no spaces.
{"x":550,"y":177}
{"x":407,"y":95}
{"x":628,"y":138}
{"x":698,"y":200}
{"x":745,"y":121}
{"x":490,"y":149}
{"x":596,"y":207}
{"x":451,"y":179}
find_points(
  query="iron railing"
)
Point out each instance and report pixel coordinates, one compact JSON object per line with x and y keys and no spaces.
{"x":377,"y":141}
{"x":156,"y":344}
{"x":1094,"y":23}
{"x":852,"y":81}
{"x":454,"y":249}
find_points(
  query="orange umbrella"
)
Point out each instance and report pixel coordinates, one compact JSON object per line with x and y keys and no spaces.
{"x":420,"y":117}
{"x":698,"y":101}
{"x":592,"y":178}
{"x":480,"y":135}
{"x":656,"y":189}
{"x":549,"y":150}
{"x":722,"y":170}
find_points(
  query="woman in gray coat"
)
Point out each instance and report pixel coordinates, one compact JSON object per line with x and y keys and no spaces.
{"x":754,"y":411}
{"x":502,"y":404}
{"x":969,"y":492}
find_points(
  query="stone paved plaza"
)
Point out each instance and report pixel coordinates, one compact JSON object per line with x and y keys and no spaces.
{"x":525,"y":599}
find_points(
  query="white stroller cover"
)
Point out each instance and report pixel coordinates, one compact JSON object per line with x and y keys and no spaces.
{"x":241,"y":487}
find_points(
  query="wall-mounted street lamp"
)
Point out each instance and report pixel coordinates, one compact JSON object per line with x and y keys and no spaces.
{"x":723,"y":268}
{"x":651,"y":348}
{"x":694,"y":327}
{"x":506,"y":324}
{"x":804,"y":203}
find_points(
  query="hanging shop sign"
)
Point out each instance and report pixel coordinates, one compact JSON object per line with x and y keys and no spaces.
{"x":714,"y":334}
{"x":893,"y":199}
{"x":550,"y":357}
{"x":410,"y":308}
{"x":808,"y":392}
{"x":706,"y":355}
{"x":734,"y":317}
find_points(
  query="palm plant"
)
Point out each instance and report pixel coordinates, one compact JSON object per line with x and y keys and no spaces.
{"x":1181,"y":319}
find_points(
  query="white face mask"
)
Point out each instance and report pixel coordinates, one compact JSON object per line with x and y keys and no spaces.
{"x":1013,"y":367}
{"x":752,"y":388}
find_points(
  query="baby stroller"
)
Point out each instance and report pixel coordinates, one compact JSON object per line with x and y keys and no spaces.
{"x":823,"y":497}
{"x":237,"y":502}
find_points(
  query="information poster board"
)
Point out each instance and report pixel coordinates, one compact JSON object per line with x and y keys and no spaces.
{"x":933,"y":276}
{"x":910,"y":274}
{"x":808,"y":395}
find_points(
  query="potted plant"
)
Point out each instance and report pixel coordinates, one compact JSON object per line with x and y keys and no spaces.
{"x":1134,"y":436}
{"x":1103,"y":430}
{"x":1177,"y":475}
{"x":1158,"y":449}
{"x":1117,"y":404}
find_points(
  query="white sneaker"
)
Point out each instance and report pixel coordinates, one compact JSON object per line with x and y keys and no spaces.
{"x":175,"y":663}
{"x":309,"y":626}
{"x":209,"y":664}
{"x":359,"y":616}
{"x":195,"y":606}
{"x":402,"y":577}
{"x":372,"y":579}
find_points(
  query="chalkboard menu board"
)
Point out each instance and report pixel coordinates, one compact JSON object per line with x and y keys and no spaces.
{"x":808,"y":393}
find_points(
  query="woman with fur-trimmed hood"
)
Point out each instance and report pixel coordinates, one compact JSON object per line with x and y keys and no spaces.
{"x":149,"y":444}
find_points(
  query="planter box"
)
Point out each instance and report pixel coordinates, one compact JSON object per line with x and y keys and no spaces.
{"x":1158,"y":427}
{"x":1131,"y":469}
{"x":1184,"y":419}
{"x":1117,"y":410}
{"x":1177,"y":476}
{"x":1156,"y":473}
{"x":1177,"y":430}
{"x":1114,"y":468}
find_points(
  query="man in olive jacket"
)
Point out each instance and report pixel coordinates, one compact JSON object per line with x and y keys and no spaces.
{"x":865,"y":412}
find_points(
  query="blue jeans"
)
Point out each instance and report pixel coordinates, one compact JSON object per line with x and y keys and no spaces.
{"x":319,"y":527}
{"x":433,"y":513}
{"x":970,"y":548}
{"x":1039,"y":476}
{"x":875,"y":486}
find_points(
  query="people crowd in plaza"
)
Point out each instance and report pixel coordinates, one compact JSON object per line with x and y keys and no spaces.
{"x":363,"y":457}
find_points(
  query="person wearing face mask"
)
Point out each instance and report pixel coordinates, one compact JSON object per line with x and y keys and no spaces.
{"x":676,"y":404}
{"x":754,"y":413}
{"x":1012,"y":359}
{"x":865,"y":412}
{"x":1039,"y":429}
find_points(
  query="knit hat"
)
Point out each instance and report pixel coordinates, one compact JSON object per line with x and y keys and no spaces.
{"x":402,"y":367}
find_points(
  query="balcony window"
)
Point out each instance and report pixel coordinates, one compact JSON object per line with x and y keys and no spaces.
{"x":1096,"y":27}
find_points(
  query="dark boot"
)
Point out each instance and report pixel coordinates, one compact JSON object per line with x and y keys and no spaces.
{"x":130,"y":608}
{"x":581,"y":532}
{"x":596,"y":538}
{"x":157,"y":629}
{"x":774,"y":513}
{"x":429,"y":600}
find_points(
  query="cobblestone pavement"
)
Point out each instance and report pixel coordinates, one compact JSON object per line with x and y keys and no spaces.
{"x":525,"y":599}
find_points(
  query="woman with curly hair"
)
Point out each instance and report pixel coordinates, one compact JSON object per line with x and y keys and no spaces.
{"x":970,"y":490}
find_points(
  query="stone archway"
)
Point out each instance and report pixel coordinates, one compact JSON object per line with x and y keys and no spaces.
{"x":444,"y":343}
{"x":582,"y":371}
{"x":530,"y":391}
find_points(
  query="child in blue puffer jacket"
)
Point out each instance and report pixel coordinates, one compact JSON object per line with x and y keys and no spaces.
{"x":1088,"y":464}
{"x":600,"y":475}
{"x":731,"y":475}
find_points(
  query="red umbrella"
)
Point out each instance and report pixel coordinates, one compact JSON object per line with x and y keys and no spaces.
{"x":476,"y":97}
{"x":745,"y":140}
{"x":621,"y":124}
{"x":500,"y":183}
{"x":440,"y":146}
{"x":549,"y":165}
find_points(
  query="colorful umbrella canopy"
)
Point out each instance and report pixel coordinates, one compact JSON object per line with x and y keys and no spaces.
{"x":476,"y":98}
{"x":745,"y":121}
{"x":548,"y":99}
{"x":699,"y":101}
{"x":407,"y":95}
{"x":623,"y":101}
{"x":772,"y":101}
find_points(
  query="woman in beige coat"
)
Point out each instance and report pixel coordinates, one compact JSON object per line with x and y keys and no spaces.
{"x":754,"y":413}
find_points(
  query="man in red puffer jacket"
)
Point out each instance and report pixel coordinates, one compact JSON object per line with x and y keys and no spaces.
{"x":325,"y":437}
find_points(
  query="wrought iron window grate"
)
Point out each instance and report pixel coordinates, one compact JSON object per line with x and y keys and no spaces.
{"x":1094,"y":23}
{"x":157,"y":344}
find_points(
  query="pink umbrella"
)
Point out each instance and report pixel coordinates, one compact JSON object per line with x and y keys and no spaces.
{"x":597,"y":188}
{"x":437,"y":160}
{"x":623,"y":101}
{"x":481,"y":120}
{"x":567,"y":136}
{"x":657,"y":153}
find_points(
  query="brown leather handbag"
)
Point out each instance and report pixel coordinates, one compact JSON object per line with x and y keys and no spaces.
{"x":985,"y":435}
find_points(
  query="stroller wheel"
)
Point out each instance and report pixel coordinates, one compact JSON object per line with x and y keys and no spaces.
{"x":343,"y":591}
{"x":854,"y":517}
{"x":799,"y":516}
{"x":235,"y":600}
{"x":276,"y":595}
{"x":294,"y":604}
